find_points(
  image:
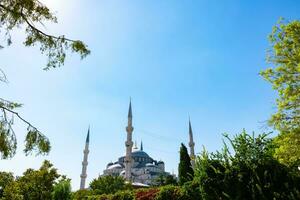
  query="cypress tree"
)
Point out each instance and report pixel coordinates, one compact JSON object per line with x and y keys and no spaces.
{"x":185,"y":170}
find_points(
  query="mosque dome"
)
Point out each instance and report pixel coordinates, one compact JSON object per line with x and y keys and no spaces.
{"x":150,"y":165}
{"x":109,"y":164}
{"x":115,"y":166}
{"x":140,"y":153}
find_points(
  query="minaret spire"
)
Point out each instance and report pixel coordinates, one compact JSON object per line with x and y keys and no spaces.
{"x":85,"y":161}
{"x":192,"y":145}
{"x":141,"y":146}
{"x":128,"y":145}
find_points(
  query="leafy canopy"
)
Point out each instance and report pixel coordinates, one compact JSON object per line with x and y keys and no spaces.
{"x":249,"y":171}
{"x":284,"y":76}
{"x":30,"y":15}
{"x":108,"y":184}
{"x":34,"y":184}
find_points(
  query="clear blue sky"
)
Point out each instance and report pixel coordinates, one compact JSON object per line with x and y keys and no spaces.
{"x":174,"y":58}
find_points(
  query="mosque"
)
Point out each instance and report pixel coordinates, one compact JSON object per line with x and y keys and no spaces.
{"x":136,"y":165}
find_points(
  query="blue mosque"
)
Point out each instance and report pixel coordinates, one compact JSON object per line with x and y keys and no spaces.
{"x":136,"y":165}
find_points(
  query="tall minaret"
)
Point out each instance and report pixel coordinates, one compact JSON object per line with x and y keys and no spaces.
{"x":192,"y":145}
{"x":85,"y":161}
{"x":128,"y":145}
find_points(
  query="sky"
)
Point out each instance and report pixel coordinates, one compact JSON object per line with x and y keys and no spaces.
{"x":175,"y":59}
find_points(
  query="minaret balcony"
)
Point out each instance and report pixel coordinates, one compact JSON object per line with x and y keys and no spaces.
{"x":129,"y":129}
{"x":128,"y":143}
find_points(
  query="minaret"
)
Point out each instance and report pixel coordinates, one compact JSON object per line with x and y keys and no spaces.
{"x":142,"y":149}
{"x":192,"y":145}
{"x":85,"y":161}
{"x":128,"y":145}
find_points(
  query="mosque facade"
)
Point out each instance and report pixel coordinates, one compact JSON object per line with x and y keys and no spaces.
{"x":136,"y":165}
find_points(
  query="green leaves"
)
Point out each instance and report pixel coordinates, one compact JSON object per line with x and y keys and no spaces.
{"x":107,"y":184}
{"x":185,"y":170}
{"x":284,"y":75}
{"x":36,"y":142}
{"x":28,"y":13}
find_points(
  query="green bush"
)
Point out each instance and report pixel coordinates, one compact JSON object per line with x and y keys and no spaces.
{"x":191,"y":190}
{"x":123,"y":195}
{"x":81,"y":195}
{"x":62,"y":190}
{"x":108,"y":185}
{"x":171,"y":192}
{"x":250,"y":173}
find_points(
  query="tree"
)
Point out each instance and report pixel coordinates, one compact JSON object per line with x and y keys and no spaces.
{"x":165,"y":179}
{"x":108,"y":184}
{"x":185,"y":170}
{"x":288,"y":151}
{"x":285,"y":75}
{"x":28,"y":14}
{"x":34,"y":184}
{"x":5,"y":179}
{"x":285,"y":79}
{"x":62,"y":190}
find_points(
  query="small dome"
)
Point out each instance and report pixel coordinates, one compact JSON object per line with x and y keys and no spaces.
{"x":160,"y":162}
{"x":109,"y":164}
{"x":115,"y":166}
{"x":150,"y":165}
{"x":122,"y":172}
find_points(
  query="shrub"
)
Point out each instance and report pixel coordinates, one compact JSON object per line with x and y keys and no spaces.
{"x":108,"y":184}
{"x":146,"y":194}
{"x":81,"y":195}
{"x":123,"y":195}
{"x":170,"y":192}
{"x":62,"y":190}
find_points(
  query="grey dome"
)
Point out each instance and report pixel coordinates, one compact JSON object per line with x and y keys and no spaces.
{"x":140,"y":153}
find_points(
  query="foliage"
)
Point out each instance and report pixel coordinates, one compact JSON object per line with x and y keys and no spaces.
{"x":34,"y":184}
{"x":250,"y":173}
{"x":170,"y":192}
{"x":81,"y":195}
{"x":123,"y":195}
{"x":12,"y":191}
{"x":285,"y":75}
{"x":185,"y":170}
{"x":107,"y":184}
{"x":146,"y":194}
{"x":62,"y":190}
{"x":120,"y":195}
{"x":191,"y":190}
{"x":5,"y":179}
{"x":165,"y":179}
{"x":28,"y":13}
{"x":288,"y":151}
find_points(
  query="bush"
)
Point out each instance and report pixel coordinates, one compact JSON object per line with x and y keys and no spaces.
{"x":81,"y":195}
{"x":170,"y":192}
{"x":251,"y":173}
{"x":146,"y":194}
{"x":108,"y":185}
{"x":191,"y":190}
{"x":123,"y":195}
{"x":62,"y":190}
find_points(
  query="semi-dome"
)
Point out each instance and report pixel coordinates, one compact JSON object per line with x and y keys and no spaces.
{"x":150,"y":165}
{"x":115,"y":166}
